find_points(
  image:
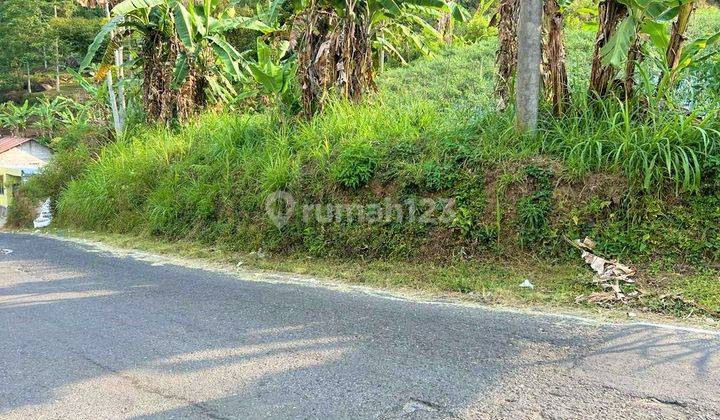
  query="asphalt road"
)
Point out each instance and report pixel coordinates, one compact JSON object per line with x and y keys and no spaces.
{"x":89,"y":334}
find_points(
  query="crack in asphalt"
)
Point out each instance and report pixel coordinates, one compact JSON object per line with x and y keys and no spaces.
{"x":143,"y":387}
{"x":657,"y":399}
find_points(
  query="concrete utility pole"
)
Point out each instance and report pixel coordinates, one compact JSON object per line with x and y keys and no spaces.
{"x":527,"y":81}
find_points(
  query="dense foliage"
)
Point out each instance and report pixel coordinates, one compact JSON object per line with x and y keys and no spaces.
{"x":40,"y":37}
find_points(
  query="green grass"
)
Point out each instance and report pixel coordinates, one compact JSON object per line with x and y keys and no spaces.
{"x":208,"y":181}
{"x":703,"y":288}
{"x":705,"y":21}
{"x":454,"y":79}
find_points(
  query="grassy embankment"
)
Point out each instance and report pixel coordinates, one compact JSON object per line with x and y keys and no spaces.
{"x":644,"y":185}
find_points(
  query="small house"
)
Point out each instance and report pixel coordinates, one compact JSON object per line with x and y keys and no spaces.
{"x":20,"y":152}
{"x":19,"y":158}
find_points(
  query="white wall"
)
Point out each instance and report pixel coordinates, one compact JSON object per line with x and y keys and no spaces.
{"x":30,"y":154}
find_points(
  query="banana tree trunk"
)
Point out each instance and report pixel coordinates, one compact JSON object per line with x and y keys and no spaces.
{"x":118,"y":111}
{"x":635,"y":56}
{"x":445,"y":27}
{"x":554,"y":68}
{"x":335,"y":54}
{"x":381,"y":59}
{"x":507,"y":50}
{"x":677,"y":37}
{"x":117,"y":122}
{"x":611,"y":13}
{"x":161,"y":101}
{"x":119,"y":61}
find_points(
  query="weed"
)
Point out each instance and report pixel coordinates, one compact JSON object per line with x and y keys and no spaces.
{"x":208,"y":180}
{"x":356,"y":164}
{"x":664,"y":148}
{"x":533,"y":210}
{"x":22,"y":211}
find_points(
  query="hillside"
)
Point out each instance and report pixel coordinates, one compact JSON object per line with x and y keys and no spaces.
{"x":425,"y":170}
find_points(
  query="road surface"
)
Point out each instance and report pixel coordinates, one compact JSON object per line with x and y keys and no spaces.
{"x":90,"y":334}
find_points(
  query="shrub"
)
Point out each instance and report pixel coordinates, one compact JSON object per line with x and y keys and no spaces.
{"x":76,"y":33}
{"x":356,"y":164}
{"x":477,"y":28}
{"x":207,"y":181}
{"x":533,"y":210}
{"x":114,"y":191}
{"x":470,"y":201}
{"x":52,"y":181}
{"x":81,"y":133}
{"x":22,"y":211}
{"x":439,"y":176}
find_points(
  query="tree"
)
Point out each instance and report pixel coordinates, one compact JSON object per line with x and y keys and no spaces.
{"x":23,"y":34}
{"x":335,"y":48}
{"x":677,"y":37}
{"x":446,"y":21}
{"x":507,"y":21}
{"x":335,"y":52}
{"x":610,"y":14}
{"x":183,"y":54}
{"x":65,"y":7}
{"x":15,"y":118}
{"x":554,"y":69}
{"x":151,"y":21}
{"x":642,"y":27}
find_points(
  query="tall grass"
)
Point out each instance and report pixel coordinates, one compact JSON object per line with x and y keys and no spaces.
{"x":114,"y":187}
{"x":219,"y":170}
{"x":652,"y":148}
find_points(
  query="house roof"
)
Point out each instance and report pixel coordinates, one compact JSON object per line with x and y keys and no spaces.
{"x":7,"y":143}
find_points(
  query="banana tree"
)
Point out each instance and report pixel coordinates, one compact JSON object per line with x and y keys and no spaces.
{"x":554,"y":69}
{"x":274,"y":71}
{"x":91,"y":111}
{"x":206,"y":53}
{"x":651,"y":20}
{"x":643,"y":16}
{"x":506,"y":55}
{"x":15,"y":118}
{"x":410,"y":24}
{"x":183,"y":52}
{"x":681,"y":54}
{"x":446,"y":20}
{"x":150,"y":22}
{"x":610,"y":14}
{"x":677,"y":38}
{"x":47,"y":112}
{"x":335,"y":45}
